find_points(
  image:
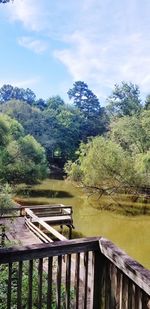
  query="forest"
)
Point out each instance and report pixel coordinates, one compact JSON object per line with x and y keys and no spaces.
{"x":103,"y":148}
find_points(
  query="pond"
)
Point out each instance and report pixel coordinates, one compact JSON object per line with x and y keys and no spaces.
{"x":131,"y":233}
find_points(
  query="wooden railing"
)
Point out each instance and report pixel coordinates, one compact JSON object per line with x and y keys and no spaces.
{"x":83,"y":273}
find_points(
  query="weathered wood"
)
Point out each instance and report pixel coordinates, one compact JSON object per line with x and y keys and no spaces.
{"x":19,"y":287}
{"x":59,"y":271}
{"x":126,"y":293}
{"x":9,"y":286}
{"x":86,"y":265}
{"x":49,"y":289}
{"x":51,"y":230}
{"x":136,"y":272}
{"x":54,"y":218}
{"x":38,"y":232}
{"x":77,"y":279}
{"x":138,"y":298}
{"x":68,"y":280}
{"x":113,"y":269}
{"x":119,"y":289}
{"x":37,"y":251}
{"x":99,"y":266}
{"x":40,"y":274}
{"x":30,"y":284}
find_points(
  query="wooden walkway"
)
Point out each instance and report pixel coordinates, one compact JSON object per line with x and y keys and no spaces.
{"x":18,"y":233}
{"x":35,"y":224}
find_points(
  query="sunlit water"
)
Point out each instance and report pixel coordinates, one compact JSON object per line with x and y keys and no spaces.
{"x":132,"y":234}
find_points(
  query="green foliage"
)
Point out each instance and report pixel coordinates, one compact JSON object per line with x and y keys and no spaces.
{"x":103,"y":161}
{"x":4,"y":131}
{"x":73,"y":171}
{"x":120,"y":160}
{"x":55,"y":103}
{"x":132,"y":132}
{"x":5,"y":198}
{"x":124,"y":100}
{"x":84,"y":99}
{"x":147,"y":102}
{"x":88,"y":104}
{"x":22,"y":158}
{"x":25,"y":288}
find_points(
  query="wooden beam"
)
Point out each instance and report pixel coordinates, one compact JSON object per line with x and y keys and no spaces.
{"x":38,"y":232}
{"x":36,"y":251}
{"x":45,"y":225}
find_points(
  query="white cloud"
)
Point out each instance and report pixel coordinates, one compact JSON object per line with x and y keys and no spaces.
{"x":102,"y":63}
{"x":37,"y":46}
{"x":97,"y":41}
{"x":26,"y":83}
{"x":28,"y":12}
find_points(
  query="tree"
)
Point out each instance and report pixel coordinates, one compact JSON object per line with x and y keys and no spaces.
{"x":84,"y":99}
{"x":4,"y":131}
{"x":147,"y":102}
{"x":6,"y":202}
{"x":124,"y":100}
{"x":55,"y":103}
{"x":69,"y":120}
{"x":94,"y":119}
{"x":132,"y":132}
{"x":22,"y":158}
{"x":104,"y":165}
{"x":8,"y":92}
{"x":41,"y":104}
{"x":5,"y":1}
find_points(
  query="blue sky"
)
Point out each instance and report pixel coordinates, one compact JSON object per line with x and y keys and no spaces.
{"x":47,"y":45}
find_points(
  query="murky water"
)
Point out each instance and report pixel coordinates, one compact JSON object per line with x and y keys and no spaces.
{"x":132,"y":234}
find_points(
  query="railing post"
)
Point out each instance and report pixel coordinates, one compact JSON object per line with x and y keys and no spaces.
{"x":99,"y":268}
{"x":3,"y":236}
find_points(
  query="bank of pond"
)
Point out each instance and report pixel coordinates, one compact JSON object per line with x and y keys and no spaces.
{"x":124,"y":219}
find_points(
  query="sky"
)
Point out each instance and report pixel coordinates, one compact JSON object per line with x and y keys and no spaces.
{"x":47,"y":45}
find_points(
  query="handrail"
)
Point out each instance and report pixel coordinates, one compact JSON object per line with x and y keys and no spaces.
{"x":132,"y":269}
{"x":117,"y":281}
{"x":127,"y":265}
{"x":37,"y":251}
{"x":37,"y":231}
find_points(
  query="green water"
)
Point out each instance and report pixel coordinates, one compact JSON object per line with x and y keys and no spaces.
{"x":131,"y":233}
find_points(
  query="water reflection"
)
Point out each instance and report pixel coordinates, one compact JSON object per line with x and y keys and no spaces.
{"x":44,"y":193}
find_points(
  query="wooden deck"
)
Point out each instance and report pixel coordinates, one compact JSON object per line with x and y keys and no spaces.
{"x":56,"y":220}
{"x":35,"y":224}
{"x":18,"y":233}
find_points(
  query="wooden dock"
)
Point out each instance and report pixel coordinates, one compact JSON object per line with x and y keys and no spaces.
{"x":36,"y":224}
{"x":17,"y":232}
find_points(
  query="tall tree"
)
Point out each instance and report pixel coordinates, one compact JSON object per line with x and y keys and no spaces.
{"x":94,"y":120}
{"x":8,"y":92}
{"x":84,"y":99}
{"x":5,"y":1}
{"x":124,"y":100}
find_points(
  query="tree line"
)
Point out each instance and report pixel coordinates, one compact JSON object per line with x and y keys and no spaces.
{"x":119,"y":159}
{"x":96,"y":144}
